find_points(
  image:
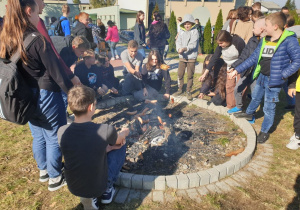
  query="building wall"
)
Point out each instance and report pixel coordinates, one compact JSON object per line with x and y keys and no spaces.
{"x":201,"y":10}
{"x":127,"y":21}
{"x":106,"y":14}
{"x":2,"y":7}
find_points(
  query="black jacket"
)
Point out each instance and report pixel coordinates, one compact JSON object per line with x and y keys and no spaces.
{"x":248,"y":50}
{"x":139,"y":34}
{"x":158,"y":40}
{"x":43,"y":69}
{"x":81,"y":30}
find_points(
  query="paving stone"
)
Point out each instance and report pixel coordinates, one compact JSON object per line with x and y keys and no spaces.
{"x":244,"y":174}
{"x":266,"y":145}
{"x":258,"y":167}
{"x":122,"y":195}
{"x":264,"y":158}
{"x":202,"y":190}
{"x":237,"y":163}
{"x":255,"y":172}
{"x":169,"y":197}
{"x":231,"y":182}
{"x":193,"y":194}
{"x":126,"y":180}
{"x":158,"y":196}
{"x":229,"y":167}
{"x":238,"y":178}
{"x":212,"y":188}
{"x":204,"y":177}
{"x":137,"y":182}
{"x":118,"y":182}
{"x":265,"y":164}
{"x":245,"y":158}
{"x":214,"y":175}
{"x":160,"y":183}
{"x":201,"y":103}
{"x":134,"y":195}
{"x":222,"y":169}
{"x":223,"y":186}
{"x":194,"y":180}
{"x":182,"y":181}
{"x":148,"y":182}
{"x":172,"y":181}
{"x":181,"y":193}
{"x":146,"y":196}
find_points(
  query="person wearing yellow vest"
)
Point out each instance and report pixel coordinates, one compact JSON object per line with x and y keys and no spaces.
{"x":277,"y":57}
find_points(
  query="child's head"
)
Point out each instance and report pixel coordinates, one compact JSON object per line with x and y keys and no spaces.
{"x":132,"y":48}
{"x":140,"y":16}
{"x":197,"y":21}
{"x":290,"y":21}
{"x":224,"y":39}
{"x":154,"y":59}
{"x":231,"y":14}
{"x":274,"y":22}
{"x":206,"y":61}
{"x":221,"y":81}
{"x":89,"y":57}
{"x":188,"y":22}
{"x":244,"y":13}
{"x":81,"y":100}
{"x":285,"y":10}
{"x":102,"y":60}
{"x":110,"y":23}
{"x":256,"y":15}
{"x":65,"y":9}
{"x":256,"y":6}
{"x":79,"y":45}
{"x":259,"y":27}
{"x":84,"y":18}
{"x":154,"y":14}
{"x":179,"y":19}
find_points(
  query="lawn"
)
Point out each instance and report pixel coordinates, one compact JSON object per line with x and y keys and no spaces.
{"x":279,"y":188}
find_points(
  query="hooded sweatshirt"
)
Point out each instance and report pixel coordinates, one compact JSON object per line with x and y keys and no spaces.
{"x":112,"y":34}
{"x":188,"y":39}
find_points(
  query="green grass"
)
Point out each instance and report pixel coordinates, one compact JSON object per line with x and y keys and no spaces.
{"x":222,"y":141}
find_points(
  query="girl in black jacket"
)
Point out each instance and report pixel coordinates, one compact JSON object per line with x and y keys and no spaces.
{"x":42,"y":71}
{"x":139,"y":32}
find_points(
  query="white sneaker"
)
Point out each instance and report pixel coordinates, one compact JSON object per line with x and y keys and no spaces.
{"x":294,"y":143}
{"x":44,"y":176}
{"x":117,"y":57}
{"x":56,"y":183}
{"x":112,"y":59}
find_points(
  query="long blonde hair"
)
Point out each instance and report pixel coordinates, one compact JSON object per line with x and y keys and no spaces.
{"x":15,"y":24}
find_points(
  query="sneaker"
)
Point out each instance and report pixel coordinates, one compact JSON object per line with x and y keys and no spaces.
{"x":44,"y":176}
{"x":178,"y":93}
{"x":294,"y":142}
{"x":234,"y":110}
{"x":243,"y":115}
{"x":189,"y":96}
{"x":95,"y":203}
{"x":262,"y":137}
{"x":112,"y":59}
{"x":117,"y":57}
{"x":289,"y":107}
{"x":252,"y":121}
{"x":107,"y":197}
{"x":56,"y":183}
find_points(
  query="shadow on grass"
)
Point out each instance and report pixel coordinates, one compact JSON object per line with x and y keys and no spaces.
{"x":295,"y":204}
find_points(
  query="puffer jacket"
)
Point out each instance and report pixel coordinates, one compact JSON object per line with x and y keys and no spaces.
{"x":112,"y":34}
{"x":284,"y":63}
{"x":247,"y":51}
{"x":188,"y":39}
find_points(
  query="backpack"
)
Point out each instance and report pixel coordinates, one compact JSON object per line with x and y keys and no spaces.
{"x":17,"y":100}
{"x":58,"y":31}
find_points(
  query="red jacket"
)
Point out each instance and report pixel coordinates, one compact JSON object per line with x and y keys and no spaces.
{"x":112,"y":34}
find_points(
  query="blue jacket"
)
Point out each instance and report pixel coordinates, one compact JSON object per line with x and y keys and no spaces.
{"x":284,"y":63}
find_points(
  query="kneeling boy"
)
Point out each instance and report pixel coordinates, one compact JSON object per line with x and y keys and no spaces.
{"x":93,"y":153}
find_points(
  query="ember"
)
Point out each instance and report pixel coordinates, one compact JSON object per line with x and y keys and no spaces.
{"x":173,"y":138}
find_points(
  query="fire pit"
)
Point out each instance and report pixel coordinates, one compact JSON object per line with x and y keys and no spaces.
{"x":172,"y":139}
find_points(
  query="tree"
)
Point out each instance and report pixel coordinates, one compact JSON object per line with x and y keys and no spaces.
{"x":218,"y":27}
{"x":76,"y":2}
{"x":173,"y":32}
{"x":96,"y":3}
{"x":156,"y":9}
{"x":290,"y":4}
{"x":207,"y":45}
{"x":151,"y":7}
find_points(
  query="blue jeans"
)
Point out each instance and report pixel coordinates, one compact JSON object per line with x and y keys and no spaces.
{"x":49,"y":117}
{"x":289,"y":99}
{"x":96,"y":41}
{"x":142,"y":52}
{"x":270,"y":94}
{"x":115,"y":161}
{"x":65,"y":99}
{"x":113,"y":49}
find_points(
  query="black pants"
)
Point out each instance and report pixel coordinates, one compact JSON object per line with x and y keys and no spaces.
{"x":297,"y":114}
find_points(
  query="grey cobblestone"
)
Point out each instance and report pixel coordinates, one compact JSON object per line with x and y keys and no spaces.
{"x":160,"y":183}
{"x":193,"y":194}
{"x":202,"y":190}
{"x":194,"y":180}
{"x":181,"y":193}
{"x":238,"y":178}
{"x":223,"y":186}
{"x":122,"y":195}
{"x":146,"y":196}
{"x":148,"y":182}
{"x":172,"y":181}
{"x":158,"y":196}
{"x":126,"y":180}
{"x":182,"y":181}
{"x":258,"y":167}
{"x":137,"y":182}
{"x":134,"y":195}
{"x":204,"y":177}
{"x":255,"y":172}
{"x":169,"y":197}
{"x":222,"y":169}
{"x":212,"y":188}
{"x":231,"y":182}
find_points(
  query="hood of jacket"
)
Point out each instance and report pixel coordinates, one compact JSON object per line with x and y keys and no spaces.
{"x":187,"y":18}
{"x":80,"y":26}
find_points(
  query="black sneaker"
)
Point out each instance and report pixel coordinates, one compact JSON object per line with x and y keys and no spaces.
{"x":189,"y":96}
{"x":178,"y":93}
{"x":243,"y":115}
{"x":107,"y":196}
{"x":262,"y":137}
{"x":289,"y":107}
{"x":44,"y":178}
{"x":55,"y":185}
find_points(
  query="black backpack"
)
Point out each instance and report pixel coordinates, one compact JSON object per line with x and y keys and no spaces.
{"x":17,"y":100}
{"x":58,"y":28}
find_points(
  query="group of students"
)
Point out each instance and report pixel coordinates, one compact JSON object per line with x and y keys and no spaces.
{"x":264,"y":61}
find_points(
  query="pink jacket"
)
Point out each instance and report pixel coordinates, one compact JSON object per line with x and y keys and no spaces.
{"x":112,"y":34}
